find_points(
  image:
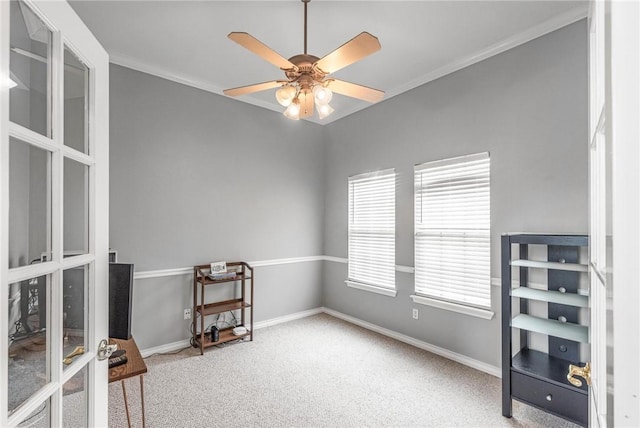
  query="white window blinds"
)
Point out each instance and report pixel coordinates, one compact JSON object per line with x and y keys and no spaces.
{"x":452,"y":225}
{"x":372,"y":220}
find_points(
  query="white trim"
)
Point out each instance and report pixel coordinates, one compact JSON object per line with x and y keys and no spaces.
{"x":623,"y":106}
{"x":78,"y":364}
{"x":163,"y":349}
{"x":286,"y":318}
{"x":371,"y":288}
{"x":32,"y":403}
{"x":451,"y":161}
{"x":189,"y":270}
{"x":546,"y":27}
{"x":31,"y":271}
{"x":155,"y":70}
{"x":21,"y":133}
{"x":79,"y":260}
{"x":454,"y":307}
{"x":163,"y":73}
{"x":162,"y":272}
{"x":496,"y":282}
{"x":181,"y":344}
{"x":73,"y":154}
{"x":335,"y":259}
{"x":454,"y":356}
{"x":275,"y":262}
{"x":4,"y":205}
{"x":372,"y":174}
{"x":539,"y":30}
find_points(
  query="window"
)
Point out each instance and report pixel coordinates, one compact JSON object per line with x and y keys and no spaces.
{"x":452,"y":248}
{"x":372,"y":233}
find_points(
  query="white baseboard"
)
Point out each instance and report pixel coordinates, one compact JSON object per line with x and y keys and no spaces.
{"x":163,"y":349}
{"x":459,"y":358}
{"x":181,"y":344}
{"x":286,"y":318}
{"x":462,"y":359}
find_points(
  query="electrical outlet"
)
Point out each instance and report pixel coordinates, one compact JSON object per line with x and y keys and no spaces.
{"x":187,"y":314}
{"x":415,"y":313}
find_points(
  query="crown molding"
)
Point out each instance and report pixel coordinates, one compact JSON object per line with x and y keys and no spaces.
{"x":532,"y":33}
{"x":122,"y":60}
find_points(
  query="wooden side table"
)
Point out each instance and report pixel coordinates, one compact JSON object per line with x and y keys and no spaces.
{"x":135,"y":366}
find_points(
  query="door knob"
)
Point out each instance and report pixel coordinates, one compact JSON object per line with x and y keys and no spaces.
{"x":105,"y":350}
{"x":584,"y":372}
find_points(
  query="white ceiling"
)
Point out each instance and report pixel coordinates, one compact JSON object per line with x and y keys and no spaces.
{"x":186,"y":41}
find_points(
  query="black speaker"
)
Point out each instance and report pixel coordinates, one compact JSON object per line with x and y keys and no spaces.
{"x":120,"y":300}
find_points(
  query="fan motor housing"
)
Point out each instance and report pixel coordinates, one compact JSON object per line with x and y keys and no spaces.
{"x":304,"y":63}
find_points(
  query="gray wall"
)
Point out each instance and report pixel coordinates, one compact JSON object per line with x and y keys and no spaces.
{"x":528,"y":108}
{"x":197,"y":177}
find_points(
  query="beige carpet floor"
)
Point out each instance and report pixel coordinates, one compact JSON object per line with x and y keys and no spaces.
{"x":317,"y":372}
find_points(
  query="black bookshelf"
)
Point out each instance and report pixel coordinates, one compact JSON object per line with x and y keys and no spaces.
{"x":533,"y":377}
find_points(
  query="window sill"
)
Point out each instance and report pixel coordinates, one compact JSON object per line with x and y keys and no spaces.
{"x":455,"y":307}
{"x":371,"y":288}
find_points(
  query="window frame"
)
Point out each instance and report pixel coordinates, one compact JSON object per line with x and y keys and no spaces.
{"x":436,"y":235}
{"x":384,"y":207}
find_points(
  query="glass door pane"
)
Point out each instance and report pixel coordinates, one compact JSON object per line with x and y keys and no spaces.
{"x":29,"y":207}
{"x":74,"y":401}
{"x":76,"y":208}
{"x":39,"y":418}
{"x":28,"y":342}
{"x":74,"y":295}
{"x":76,"y":81}
{"x":30,"y":65}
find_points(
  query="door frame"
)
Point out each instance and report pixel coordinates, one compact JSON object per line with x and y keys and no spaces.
{"x":599,"y":192}
{"x":67,"y":29}
{"x":624,"y":129}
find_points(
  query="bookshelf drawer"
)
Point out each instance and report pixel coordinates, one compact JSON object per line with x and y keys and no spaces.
{"x":564,"y":402}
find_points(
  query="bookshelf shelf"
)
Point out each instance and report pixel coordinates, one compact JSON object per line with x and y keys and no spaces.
{"x":530,"y":375}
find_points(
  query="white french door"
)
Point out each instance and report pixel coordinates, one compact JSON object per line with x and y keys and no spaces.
{"x":599,"y":221}
{"x":53,"y":217}
{"x":614,"y":133}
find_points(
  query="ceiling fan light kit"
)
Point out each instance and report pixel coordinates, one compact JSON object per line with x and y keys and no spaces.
{"x":293,"y":111}
{"x":307,"y":83}
{"x":324,"y":110}
{"x":285,"y":95}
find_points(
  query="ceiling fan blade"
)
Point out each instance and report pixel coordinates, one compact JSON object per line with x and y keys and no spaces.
{"x":355,"y":91}
{"x":354,"y":50}
{"x":306,"y":104}
{"x":242,"y":90}
{"x":249,"y":42}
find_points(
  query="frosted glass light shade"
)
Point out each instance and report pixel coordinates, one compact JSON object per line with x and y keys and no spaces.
{"x":293,"y":111}
{"x":324,"y":110}
{"x":322,"y":95}
{"x":285,"y":95}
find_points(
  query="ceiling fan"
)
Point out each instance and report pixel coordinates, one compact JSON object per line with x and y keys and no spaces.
{"x":307,"y":82}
